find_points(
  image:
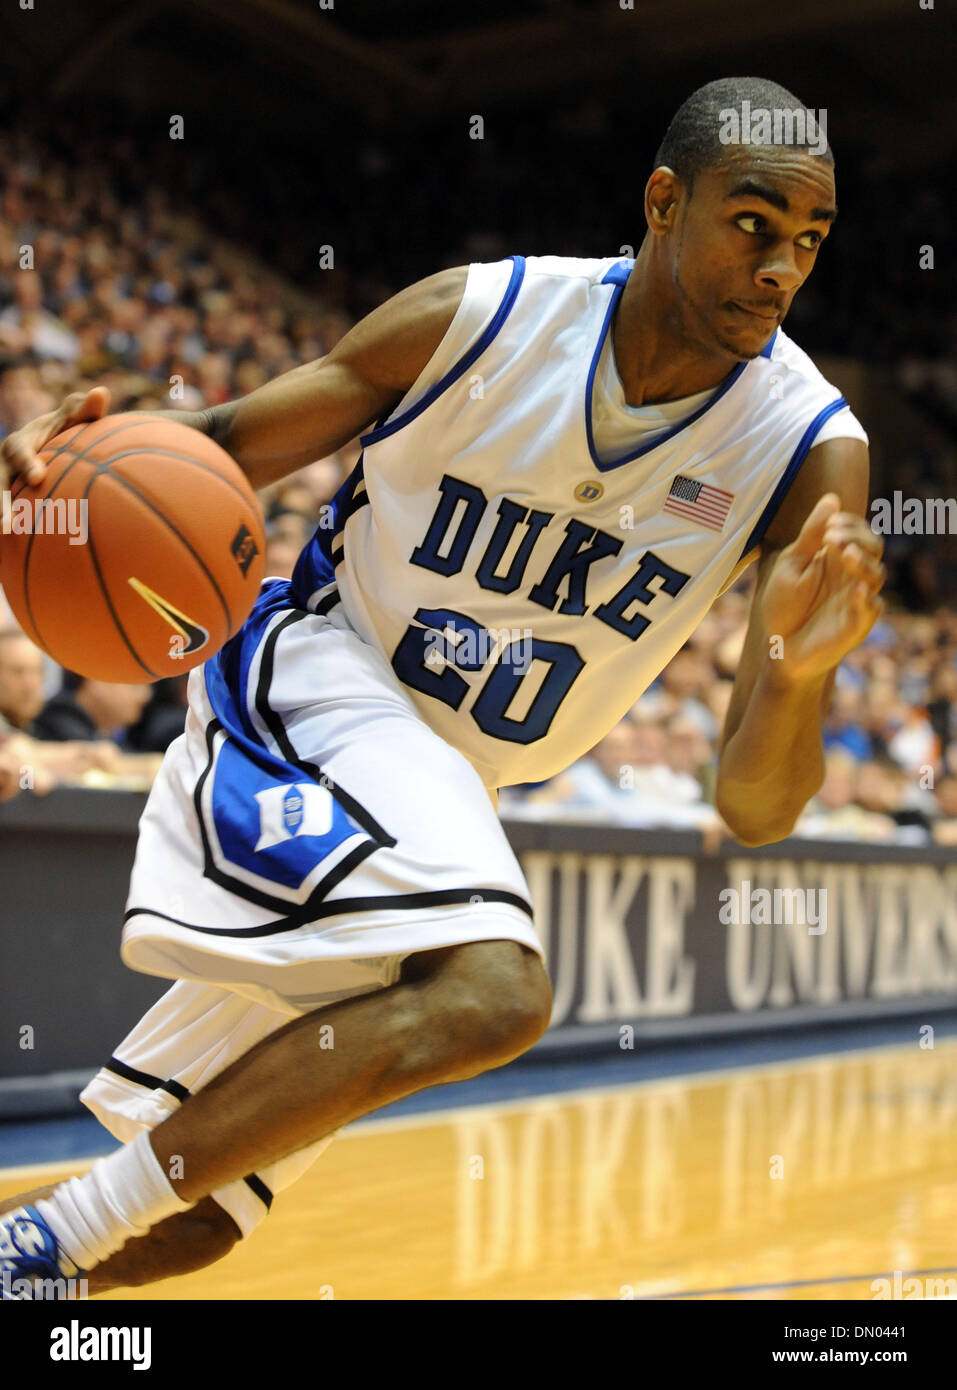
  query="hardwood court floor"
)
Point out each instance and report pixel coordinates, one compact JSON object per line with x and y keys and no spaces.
{"x":803,"y":1180}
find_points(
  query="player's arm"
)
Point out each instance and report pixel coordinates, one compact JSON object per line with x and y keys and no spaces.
{"x":305,"y":414}
{"x":816,"y":598}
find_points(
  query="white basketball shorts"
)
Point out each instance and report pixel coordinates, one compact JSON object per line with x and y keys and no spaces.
{"x":305,"y":834}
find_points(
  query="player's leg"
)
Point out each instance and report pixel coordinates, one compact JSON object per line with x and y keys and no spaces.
{"x":445,"y":987}
{"x":476,"y":1006}
{"x":413,"y":862}
{"x":457,"y":1012}
{"x":179,"y":1245}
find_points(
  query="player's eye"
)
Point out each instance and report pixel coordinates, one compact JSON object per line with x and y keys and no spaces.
{"x":757,"y":226}
{"x":810,"y":240}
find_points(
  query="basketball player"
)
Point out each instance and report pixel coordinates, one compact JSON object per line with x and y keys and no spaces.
{"x":565,"y":462}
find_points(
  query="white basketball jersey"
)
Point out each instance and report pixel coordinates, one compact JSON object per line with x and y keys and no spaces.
{"x":525,"y":588}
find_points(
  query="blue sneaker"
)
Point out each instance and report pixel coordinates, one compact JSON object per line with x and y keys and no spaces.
{"x":32,"y":1265}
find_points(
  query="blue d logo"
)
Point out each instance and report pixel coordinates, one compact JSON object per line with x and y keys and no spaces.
{"x":292,"y":810}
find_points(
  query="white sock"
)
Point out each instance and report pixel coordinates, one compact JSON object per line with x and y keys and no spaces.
{"x":122,"y":1196}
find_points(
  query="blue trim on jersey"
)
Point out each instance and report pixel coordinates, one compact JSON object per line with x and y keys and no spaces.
{"x":316,"y":567}
{"x":771,"y":341}
{"x":463,"y":364}
{"x":618,"y":273}
{"x":789,"y":474}
{"x":726,"y":385}
{"x":227,"y":673}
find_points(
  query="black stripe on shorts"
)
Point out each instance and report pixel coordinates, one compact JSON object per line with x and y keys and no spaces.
{"x":180,"y":1093}
{"x":409,"y":902}
{"x":143,"y":1078}
{"x":327,"y":602}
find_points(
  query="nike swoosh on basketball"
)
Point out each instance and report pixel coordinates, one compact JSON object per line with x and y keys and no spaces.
{"x":196,"y":636}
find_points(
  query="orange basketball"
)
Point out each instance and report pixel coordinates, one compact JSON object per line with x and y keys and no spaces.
{"x":139,"y":554}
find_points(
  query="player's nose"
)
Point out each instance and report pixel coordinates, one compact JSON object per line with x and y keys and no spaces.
{"x":781,"y":272}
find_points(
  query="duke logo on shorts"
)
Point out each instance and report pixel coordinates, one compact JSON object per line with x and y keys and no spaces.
{"x":302,"y":809}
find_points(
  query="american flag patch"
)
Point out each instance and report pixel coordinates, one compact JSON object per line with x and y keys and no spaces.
{"x":699,"y":502}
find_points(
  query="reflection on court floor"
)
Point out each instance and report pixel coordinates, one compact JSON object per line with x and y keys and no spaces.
{"x":810,"y":1179}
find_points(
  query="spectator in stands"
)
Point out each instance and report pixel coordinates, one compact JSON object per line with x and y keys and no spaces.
{"x":690,"y":761}
{"x":20,"y":768}
{"x":843,"y":728}
{"x":21,"y":681}
{"x":22,"y":396}
{"x":162,"y":720}
{"x":882,"y":716}
{"x":626,"y":780}
{"x":945,"y":821}
{"x":295,"y":498}
{"x":26,"y":326}
{"x":727,"y":655}
{"x":286,"y":534}
{"x":942,"y":702}
{"x":719,"y":698}
{"x":834,"y":813}
{"x":100,"y":712}
{"x":686,"y":678}
{"x":88,"y":709}
{"x":885,"y":788}
{"x":27,"y":761}
{"x":655,"y":769}
{"x":597,"y":783}
{"x":915,"y":747}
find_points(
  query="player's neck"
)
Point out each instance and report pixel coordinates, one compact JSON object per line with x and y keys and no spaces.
{"x":657,"y":359}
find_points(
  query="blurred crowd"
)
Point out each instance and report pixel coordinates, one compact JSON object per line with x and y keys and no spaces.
{"x":127,"y":293}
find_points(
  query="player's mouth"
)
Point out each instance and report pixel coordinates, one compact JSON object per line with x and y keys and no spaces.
{"x":763,"y":313}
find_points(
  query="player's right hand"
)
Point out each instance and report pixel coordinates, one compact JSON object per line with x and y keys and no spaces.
{"x":19,"y":452}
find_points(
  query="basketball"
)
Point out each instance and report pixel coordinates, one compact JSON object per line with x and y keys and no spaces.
{"x":138,"y":555}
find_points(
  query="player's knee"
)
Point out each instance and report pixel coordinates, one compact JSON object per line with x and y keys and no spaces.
{"x":188,"y":1241}
{"x":487,"y":1001}
{"x":214,"y":1232}
{"x":517,"y":1002}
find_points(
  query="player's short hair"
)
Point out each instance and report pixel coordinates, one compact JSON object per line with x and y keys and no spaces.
{"x":693,"y":142}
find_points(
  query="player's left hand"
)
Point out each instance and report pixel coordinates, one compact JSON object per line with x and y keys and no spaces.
{"x":822,"y":597}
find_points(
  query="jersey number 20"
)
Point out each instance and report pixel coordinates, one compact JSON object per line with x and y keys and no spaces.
{"x":441,"y":643}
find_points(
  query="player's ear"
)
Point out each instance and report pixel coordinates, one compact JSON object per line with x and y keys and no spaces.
{"x":661,"y":199}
